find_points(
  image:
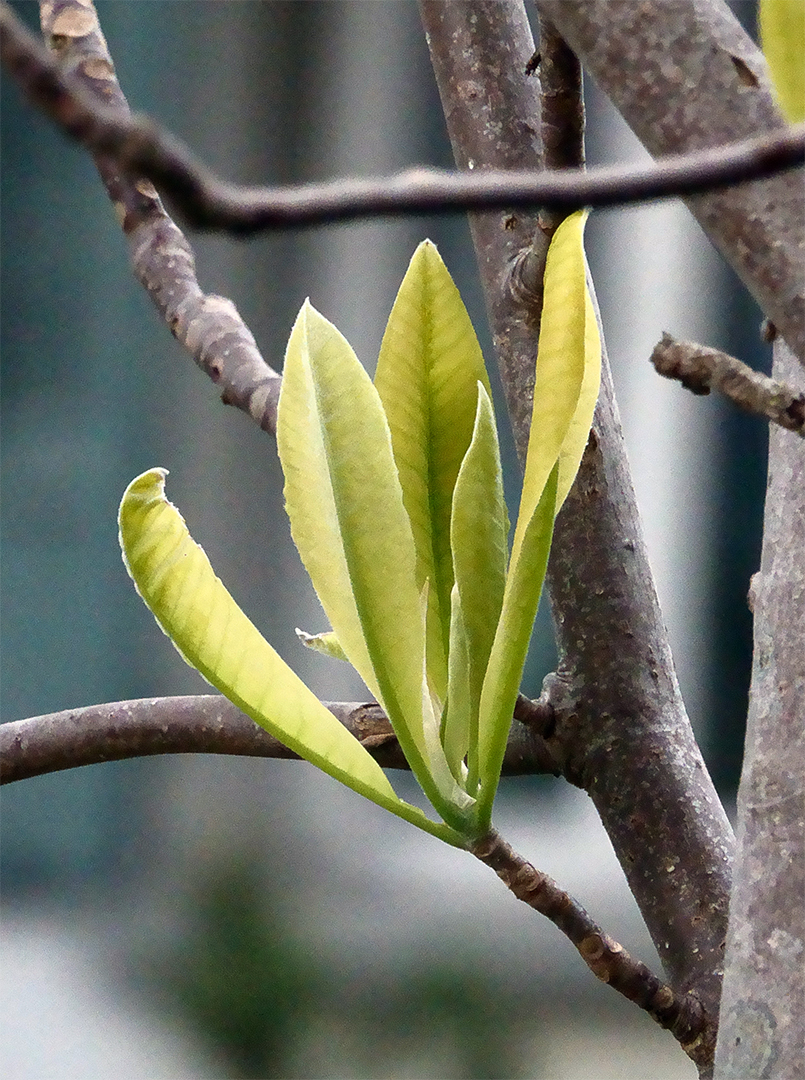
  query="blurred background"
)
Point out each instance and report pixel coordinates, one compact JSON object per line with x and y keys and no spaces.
{"x":209,"y":917}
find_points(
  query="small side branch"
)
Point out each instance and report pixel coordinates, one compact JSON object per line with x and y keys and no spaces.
{"x":141,"y":148}
{"x":209,"y":326}
{"x":682,"y":1014}
{"x":701,"y":369}
{"x":209,"y":724}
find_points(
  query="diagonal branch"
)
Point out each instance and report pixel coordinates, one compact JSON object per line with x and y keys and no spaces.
{"x":210,"y":724}
{"x":764,"y":977}
{"x":700,"y":369}
{"x":633,"y":750}
{"x":208,"y":326}
{"x":141,"y":147}
{"x":682,"y":1014}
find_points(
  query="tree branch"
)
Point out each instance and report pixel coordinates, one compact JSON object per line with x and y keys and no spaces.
{"x":700,"y":368}
{"x":682,"y":1014}
{"x":764,"y":977}
{"x":210,"y":724}
{"x":140,"y":147}
{"x":686,"y":77}
{"x":633,"y":750}
{"x":208,"y":326}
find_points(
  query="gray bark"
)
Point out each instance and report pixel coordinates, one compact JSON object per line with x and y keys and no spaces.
{"x":764,"y":980}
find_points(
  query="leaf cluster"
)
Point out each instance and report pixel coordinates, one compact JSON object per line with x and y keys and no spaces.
{"x":395,"y":497}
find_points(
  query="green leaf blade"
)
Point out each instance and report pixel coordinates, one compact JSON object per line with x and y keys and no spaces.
{"x":560,"y":363}
{"x":565,"y":393}
{"x":458,"y":713}
{"x":479,"y":538}
{"x":349,"y":522}
{"x":175,"y":579}
{"x":579,"y":429}
{"x":510,"y":647}
{"x":429,"y":365}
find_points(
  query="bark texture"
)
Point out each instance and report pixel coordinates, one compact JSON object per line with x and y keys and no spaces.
{"x":210,"y":724}
{"x":700,"y":369}
{"x":682,"y":1014}
{"x":764,"y":984}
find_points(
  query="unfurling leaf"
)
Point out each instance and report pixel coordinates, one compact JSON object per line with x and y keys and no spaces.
{"x":348,"y":520}
{"x":327,"y":644}
{"x":175,"y":579}
{"x":395,"y":497}
{"x":427,"y":374}
{"x":566,"y":388}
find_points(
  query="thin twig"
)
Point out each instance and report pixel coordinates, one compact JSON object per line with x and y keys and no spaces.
{"x":207,"y":724}
{"x":701,"y":369}
{"x":682,"y":1014}
{"x":141,"y":147}
{"x":208,"y":326}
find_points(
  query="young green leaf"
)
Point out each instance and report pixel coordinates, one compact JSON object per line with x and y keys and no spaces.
{"x":565,"y":391}
{"x":327,"y":644}
{"x":429,"y":365}
{"x":579,"y":430}
{"x":175,"y":579}
{"x":782,"y":36}
{"x":505,"y":670}
{"x":561,"y":357}
{"x":479,"y":536}
{"x":458,"y":715}
{"x":345,"y":503}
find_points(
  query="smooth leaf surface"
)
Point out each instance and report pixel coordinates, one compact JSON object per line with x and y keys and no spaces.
{"x":429,"y":365}
{"x":175,"y":579}
{"x":479,"y":538}
{"x":348,"y":520}
{"x":309,"y":493}
{"x":782,"y":36}
{"x":458,"y":714}
{"x":565,"y":392}
{"x":560,"y":364}
{"x":505,"y":670}
{"x":579,"y":430}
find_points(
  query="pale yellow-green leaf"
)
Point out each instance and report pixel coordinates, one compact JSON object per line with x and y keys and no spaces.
{"x":782,"y":37}
{"x":175,"y":579}
{"x":579,"y":431}
{"x":309,"y":495}
{"x":345,"y":504}
{"x":563,"y":336}
{"x":458,"y":713}
{"x":565,"y":391}
{"x":327,"y":644}
{"x":505,"y":670}
{"x":479,"y":535}
{"x":429,"y":365}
